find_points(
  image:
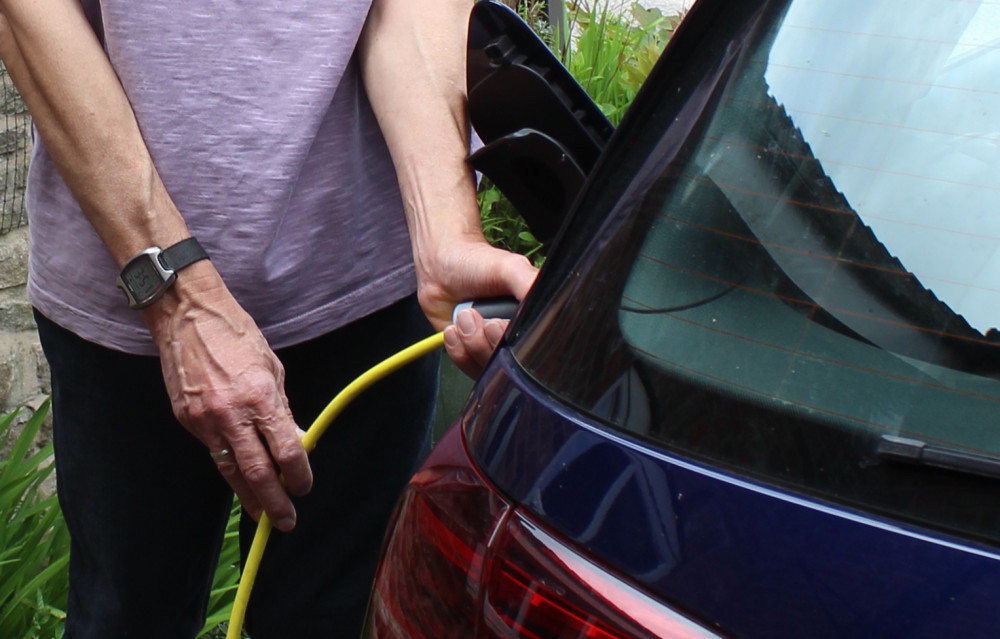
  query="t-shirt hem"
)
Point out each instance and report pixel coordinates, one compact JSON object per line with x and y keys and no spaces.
{"x":327,"y":317}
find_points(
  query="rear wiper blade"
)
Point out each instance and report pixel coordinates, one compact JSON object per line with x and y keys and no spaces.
{"x":920,"y":453}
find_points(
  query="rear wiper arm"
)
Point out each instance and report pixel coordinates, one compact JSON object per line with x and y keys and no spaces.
{"x":914,"y":451}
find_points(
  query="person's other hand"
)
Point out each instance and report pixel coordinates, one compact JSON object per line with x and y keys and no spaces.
{"x":466,"y":271}
{"x":227,"y":388}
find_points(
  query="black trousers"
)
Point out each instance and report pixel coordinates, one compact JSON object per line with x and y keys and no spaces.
{"x":146,"y":507}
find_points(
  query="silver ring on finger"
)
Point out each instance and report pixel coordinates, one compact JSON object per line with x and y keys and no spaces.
{"x":222,"y":454}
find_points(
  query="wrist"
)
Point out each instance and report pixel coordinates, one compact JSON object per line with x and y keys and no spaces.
{"x":198,"y":287}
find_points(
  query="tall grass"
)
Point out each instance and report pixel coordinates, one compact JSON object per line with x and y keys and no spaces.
{"x":610,"y":53}
{"x":226,"y":580}
{"x":34,"y":543}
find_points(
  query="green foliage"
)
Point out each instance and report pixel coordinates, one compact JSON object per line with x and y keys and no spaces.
{"x":34,"y":545}
{"x":34,"y":542}
{"x":503,"y":226}
{"x":609,"y":54}
{"x":226,"y":580}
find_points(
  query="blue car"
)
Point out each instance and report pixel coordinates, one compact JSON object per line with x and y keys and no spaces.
{"x":755,"y":391}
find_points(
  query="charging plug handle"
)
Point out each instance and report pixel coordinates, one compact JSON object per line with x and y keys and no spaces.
{"x":489,"y":308}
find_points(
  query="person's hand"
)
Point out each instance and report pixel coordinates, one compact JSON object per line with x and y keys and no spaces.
{"x":227,"y":388}
{"x":465,"y":271}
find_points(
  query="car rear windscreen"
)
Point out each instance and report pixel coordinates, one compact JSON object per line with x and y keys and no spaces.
{"x":804,"y":286}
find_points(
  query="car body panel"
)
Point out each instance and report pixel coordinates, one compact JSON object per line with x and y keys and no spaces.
{"x":745,"y":558}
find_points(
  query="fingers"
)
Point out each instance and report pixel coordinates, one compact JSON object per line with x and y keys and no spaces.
{"x":520,"y":275}
{"x":253,"y":439}
{"x":470,"y":342}
{"x":285,"y":445}
{"x":260,"y":477}
{"x":248,"y":468}
{"x":263,"y":460}
{"x":230,"y":471}
{"x":469,"y":271}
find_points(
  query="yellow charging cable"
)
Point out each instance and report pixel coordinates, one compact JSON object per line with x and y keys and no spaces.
{"x":332,"y":410}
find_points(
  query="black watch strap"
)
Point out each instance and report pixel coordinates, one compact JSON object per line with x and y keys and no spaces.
{"x":184,"y":253}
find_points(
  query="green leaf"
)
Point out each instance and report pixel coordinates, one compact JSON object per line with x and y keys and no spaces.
{"x":33,"y":537}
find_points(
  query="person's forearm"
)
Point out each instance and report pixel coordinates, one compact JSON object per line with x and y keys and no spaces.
{"x":413,"y":60}
{"x":87,"y":124}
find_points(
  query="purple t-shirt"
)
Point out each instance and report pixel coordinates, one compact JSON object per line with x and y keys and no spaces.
{"x":257,"y":122}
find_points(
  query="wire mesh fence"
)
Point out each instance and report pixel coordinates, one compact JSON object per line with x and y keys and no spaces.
{"x":15,"y":151}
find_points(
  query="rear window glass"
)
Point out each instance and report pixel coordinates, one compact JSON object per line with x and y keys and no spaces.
{"x":808,"y":290}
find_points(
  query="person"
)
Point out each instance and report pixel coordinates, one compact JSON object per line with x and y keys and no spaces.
{"x":315,"y":153}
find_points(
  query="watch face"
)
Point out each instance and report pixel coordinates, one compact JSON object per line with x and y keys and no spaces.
{"x":143,"y":279}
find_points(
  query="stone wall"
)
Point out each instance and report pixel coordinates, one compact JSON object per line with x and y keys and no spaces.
{"x":23,"y":372}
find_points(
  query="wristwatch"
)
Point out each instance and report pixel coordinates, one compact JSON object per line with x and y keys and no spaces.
{"x":148,"y":275}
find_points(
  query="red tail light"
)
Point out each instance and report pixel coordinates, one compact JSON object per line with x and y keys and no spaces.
{"x":540,"y":588}
{"x":462,"y":563}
